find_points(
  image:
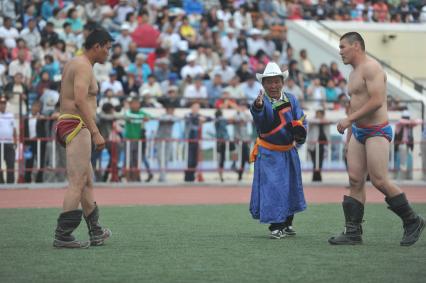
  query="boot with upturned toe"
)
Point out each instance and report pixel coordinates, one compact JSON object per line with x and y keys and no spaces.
{"x":413,"y":223}
{"x":354,"y":212}
{"x":67,"y":223}
{"x":97,"y":234}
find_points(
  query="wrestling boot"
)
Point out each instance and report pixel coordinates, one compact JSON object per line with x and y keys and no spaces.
{"x":67,"y":223}
{"x":354,"y":212}
{"x":97,"y":234}
{"x":413,"y":224}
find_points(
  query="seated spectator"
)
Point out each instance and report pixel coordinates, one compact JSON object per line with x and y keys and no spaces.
{"x":234,"y":88}
{"x":229,"y":43}
{"x":109,"y":98}
{"x":196,"y":92}
{"x":19,"y":65}
{"x":291,"y":87}
{"x":171,"y":98}
{"x":122,"y":9}
{"x":255,"y":42}
{"x":48,"y":33}
{"x":113,"y":84}
{"x":133,"y":52}
{"x":191,"y":69}
{"x":140,"y":69}
{"x":21,"y":45}
{"x":152,"y":86}
{"x":330,"y":91}
{"x":4,"y":52}
{"x":31,"y":35}
{"x":244,"y":72}
{"x":305,"y":65}
{"x":60,"y":54}
{"x":117,"y":66}
{"x":76,"y":23}
{"x":295,"y":74}
{"x":324,"y":75}
{"x":8,"y":33}
{"x":52,"y":67}
{"x":251,"y":88}
{"x":226,"y":101}
{"x":214,"y":89}
{"x":226,"y":71}
{"x":335,"y":74}
{"x":124,"y":37}
{"x":162,"y":69}
{"x":131,"y":85}
{"x":316,"y":93}
{"x":381,"y":11}
{"x":69,"y":37}
{"x":260,"y":59}
{"x":188,"y":32}
{"x":239,"y":57}
{"x":148,"y":100}
{"x":43,"y":83}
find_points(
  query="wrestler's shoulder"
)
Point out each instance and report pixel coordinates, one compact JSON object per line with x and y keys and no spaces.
{"x":79,"y":62}
{"x":371,"y":65}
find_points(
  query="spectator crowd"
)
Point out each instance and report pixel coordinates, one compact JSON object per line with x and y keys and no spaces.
{"x":167,"y":54}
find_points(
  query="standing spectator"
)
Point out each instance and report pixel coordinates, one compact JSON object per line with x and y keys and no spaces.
{"x":295,"y":74}
{"x":193,"y":124}
{"x":335,"y":74}
{"x":34,"y":129}
{"x":318,"y":137}
{"x":163,"y":145}
{"x":8,"y":140}
{"x":135,"y":131}
{"x":241,"y":135}
{"x":17,"y":92}
{"x":8,"y":33}
{"x":316,"y":93}
{"x":223,"y":138}
{"x":423,"y":151}
{"x":323,"y":75}
{"x":404,"y":146}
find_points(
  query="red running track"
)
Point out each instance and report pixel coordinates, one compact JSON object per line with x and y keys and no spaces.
{"x":33,"y":198}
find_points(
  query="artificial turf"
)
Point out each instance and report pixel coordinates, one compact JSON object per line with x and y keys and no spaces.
{"x":208,"y":244}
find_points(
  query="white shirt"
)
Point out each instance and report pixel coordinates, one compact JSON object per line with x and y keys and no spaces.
{"x":32,"y":128}
{"x":124,"y":41}
{"x":48,"y":101}
{"x":191,"y":71}
{"x":116,"y":86}
{"x":32,"y":38}
{"x":229,"y":45}
{"x":251,"y":92}
{"x":17,"y":67}
{"x":255,"y":45}
{"x":10,"y":36}
{"x":7,"y":124}
{"x":192,"y":92}
{"x":227,"y":74}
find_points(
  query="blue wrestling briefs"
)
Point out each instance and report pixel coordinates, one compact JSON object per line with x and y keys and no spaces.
{"x":362,"y":133}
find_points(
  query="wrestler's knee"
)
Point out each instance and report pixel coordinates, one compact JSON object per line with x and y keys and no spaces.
{"x":356,"y":182}
{"x":379,"y":182}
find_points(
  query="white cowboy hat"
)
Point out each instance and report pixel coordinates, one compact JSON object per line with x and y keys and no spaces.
{"x":272,"y":70}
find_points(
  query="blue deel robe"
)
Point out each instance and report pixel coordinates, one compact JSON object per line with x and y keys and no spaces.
{"x":277,"y":189}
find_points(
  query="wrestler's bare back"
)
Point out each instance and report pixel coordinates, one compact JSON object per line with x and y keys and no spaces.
{"x":360,"y":94}
{"x":67,"y":98}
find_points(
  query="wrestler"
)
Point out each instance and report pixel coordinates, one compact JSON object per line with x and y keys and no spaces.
{"x":77,"y":130}
{"x":277,"y":190}
{"x":368,"y":149}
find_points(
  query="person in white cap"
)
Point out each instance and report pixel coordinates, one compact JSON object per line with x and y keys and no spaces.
{"x":277,"y":191}
{"x":124,"y":37}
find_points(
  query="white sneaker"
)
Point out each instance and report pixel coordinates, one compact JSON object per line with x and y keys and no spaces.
{"x":277,"y":234}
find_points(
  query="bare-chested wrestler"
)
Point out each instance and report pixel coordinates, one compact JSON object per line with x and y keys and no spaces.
{"x":76,"y":130}
{"x":368,"y":149}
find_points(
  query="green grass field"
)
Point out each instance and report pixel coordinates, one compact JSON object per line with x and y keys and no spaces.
{"x":208,"y":244}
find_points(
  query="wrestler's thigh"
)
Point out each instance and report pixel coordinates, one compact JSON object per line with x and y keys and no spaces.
{"x":377,"y":149}
{"x":356,"y":160}
{"x":78,"y":157}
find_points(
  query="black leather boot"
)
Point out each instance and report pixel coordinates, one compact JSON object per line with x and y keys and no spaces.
{"x":97,"y":234}
{"x":67,"y":223}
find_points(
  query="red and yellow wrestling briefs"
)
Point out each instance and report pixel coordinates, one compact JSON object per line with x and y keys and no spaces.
{"x":67,"y":127}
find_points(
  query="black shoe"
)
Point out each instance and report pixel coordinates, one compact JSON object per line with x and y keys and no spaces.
{"x":150,"y":176}
{"x":289,"y":231}
{"x":350,"y":236}
{"x":412,"y":232}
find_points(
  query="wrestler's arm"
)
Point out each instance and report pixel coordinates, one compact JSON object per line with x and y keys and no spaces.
{"x":375,"y":81}
{"x":82,"y":79}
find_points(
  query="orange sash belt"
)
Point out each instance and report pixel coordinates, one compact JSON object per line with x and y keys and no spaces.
{"x":269,"y":146}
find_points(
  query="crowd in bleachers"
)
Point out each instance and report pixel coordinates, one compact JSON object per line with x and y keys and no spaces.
{"x":172,"y":53}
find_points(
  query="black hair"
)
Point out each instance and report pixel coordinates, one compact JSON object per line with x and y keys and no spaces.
{"x":100,"y":36}
{"x":107,"y":107}
{"x":352,"y":37}
{"x":66,"y":24}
